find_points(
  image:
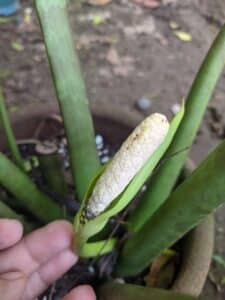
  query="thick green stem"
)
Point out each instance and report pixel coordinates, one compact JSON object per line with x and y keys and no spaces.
{"x":163,"y":182}
{"x":197,"y":197}
{"x":26,"y":192}
{"x":52,"y":173}
{"x":51,"y":169}
{"x":71,"y":91}
{"x":7,"y":212}
{"x":11,"y":140}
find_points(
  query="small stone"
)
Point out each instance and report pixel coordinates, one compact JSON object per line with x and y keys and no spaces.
{"x":105,"y":159}
{"x":144,"y":188}
{"x":91,"y":270}
{"x":105,"y":151}
{"x":61,"y":151}
{"x":143,"y":104}
{"x":66,"y":164}
{"x":175,"y":108}
{"x":99,"y":141}
{"x":119,"y":280}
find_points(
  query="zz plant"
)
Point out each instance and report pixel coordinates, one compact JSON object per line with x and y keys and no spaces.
{"x":163,"y":214}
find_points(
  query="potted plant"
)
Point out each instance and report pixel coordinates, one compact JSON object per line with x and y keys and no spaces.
{"x":162,"y":216}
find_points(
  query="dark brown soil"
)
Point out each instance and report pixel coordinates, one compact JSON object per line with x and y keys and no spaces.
{"x":133,"y":54}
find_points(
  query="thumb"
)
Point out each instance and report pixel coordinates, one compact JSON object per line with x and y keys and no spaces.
{"x":84,"y":292}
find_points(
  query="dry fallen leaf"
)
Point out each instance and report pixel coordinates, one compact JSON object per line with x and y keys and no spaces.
{"x":98,"y":2}
{"x":113,"y":57}
{"x":173,"y":25}
{"x":17,"y":46}
{"x":183,"y":36}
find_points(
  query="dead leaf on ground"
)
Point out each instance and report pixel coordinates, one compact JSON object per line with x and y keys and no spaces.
{"x":174,"y":25}
{"x":183,"y":36}
{"x":148,"y":3}
{"x":113,"y":57}
{"x":147,"y":27}
{"x":86,"y":40}
{"x":122,"y":66}
{"x":17,"y":46}
{"x":124,"y":70}
{"x":168,"y":2}
{"x":98,"y":2}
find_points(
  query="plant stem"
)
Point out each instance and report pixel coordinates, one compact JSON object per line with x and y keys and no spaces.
{"x":197,"y":197}
{"x":11,"y":140}
{"x":51,"y":168}
{"x":163,"y":182}
{"x":71,"y":92}
{"x":96,"y":249}
{"x":7,"y":212}
{"x":26,"y":192}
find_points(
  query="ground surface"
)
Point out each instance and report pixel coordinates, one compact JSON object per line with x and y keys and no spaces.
{"x":128,"y":52}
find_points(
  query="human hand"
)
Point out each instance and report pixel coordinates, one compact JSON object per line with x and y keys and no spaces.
{"x":29,"y":265}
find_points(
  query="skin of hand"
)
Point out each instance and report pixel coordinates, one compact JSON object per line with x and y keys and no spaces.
{"x":29,"y":265}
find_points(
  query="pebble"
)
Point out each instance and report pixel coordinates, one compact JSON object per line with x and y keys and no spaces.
{"x":66,"y":164}
{"x":62,"y":151}
{"x":119,"y":280}
{"x":104,"y":159}
{"x":143,"y":104}
{"x":144,"y":188}
{"x":99,"y":141}
{"x":175,"y":108}
{"x":91,"y":270}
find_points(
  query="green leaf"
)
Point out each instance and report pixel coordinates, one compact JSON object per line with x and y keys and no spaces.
{"x":26,"y":192}
{"x":97,"y":248}
{"x":71,"y":92}
{"x":219,"y":259}
{"x":197,"y":197}
{"x":116,"y":291}
{"x":17,"y":46}
{"x":7,"y":128}
{"x":93,"y":226}
{"x":9,"y":213}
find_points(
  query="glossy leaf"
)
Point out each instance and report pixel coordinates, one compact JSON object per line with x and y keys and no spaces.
{"x":70,"y":90}
{"x":27,"y":193}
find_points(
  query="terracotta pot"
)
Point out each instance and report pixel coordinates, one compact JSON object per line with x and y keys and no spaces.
{"x":115,"y":123}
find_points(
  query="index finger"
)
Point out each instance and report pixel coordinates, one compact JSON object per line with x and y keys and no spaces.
{"x":11,"y":232}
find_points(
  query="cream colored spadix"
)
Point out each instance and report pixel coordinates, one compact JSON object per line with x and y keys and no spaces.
{"x":127,"y":162}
